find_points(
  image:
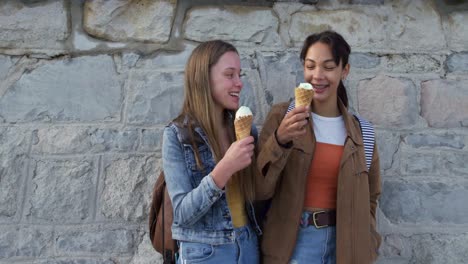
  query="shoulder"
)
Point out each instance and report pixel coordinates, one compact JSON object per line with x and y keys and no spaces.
{"x":279,"y":109}
{"x":362,"y":122}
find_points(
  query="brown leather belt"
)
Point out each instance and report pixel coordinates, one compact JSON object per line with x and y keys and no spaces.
{"x":321,"y":219}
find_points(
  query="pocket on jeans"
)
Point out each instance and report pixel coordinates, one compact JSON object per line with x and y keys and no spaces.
{"x":196,"y":252}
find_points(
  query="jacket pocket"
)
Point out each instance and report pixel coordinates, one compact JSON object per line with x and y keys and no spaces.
{"x":206,"y":160}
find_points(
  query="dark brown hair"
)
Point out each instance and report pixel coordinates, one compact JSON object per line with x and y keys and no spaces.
{"x":340,"y":51}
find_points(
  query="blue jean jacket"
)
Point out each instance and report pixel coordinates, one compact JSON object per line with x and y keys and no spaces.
{"x":201,"y":212}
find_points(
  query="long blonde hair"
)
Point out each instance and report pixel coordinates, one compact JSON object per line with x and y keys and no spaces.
{"x":199,"y":105}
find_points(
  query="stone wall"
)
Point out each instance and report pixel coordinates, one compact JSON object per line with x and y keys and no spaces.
{"x":86,"y":88}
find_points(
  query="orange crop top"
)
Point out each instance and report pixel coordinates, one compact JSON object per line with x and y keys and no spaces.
{"x":323,"y":176}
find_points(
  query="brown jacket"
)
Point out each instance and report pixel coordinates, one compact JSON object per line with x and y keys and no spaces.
{"x":285,"y":175}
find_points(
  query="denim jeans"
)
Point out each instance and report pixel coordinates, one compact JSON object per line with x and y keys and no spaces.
{"x":314,"y":245}
{"x":244,"y":250}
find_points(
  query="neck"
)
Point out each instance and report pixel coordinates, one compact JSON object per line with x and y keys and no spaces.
{"x":326,"y":109}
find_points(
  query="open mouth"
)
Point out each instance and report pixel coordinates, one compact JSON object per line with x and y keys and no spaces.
{"x":322,"y":86}
{"x":234,"y":94}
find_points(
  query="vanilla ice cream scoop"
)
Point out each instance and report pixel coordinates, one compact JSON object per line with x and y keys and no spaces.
{"x":243,"y":111}
{"x":306,"y":86}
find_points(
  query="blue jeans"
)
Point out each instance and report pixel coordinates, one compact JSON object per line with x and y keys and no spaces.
{"x":314,"y":245}
{"x":243,"y":251}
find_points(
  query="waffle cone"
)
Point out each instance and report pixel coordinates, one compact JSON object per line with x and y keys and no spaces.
{"x":243,"y":125}
{"x":303,"y":96}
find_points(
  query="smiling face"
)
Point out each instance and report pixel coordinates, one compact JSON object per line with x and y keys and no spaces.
{"x":225,"y":81}
{"x":323,"y":73}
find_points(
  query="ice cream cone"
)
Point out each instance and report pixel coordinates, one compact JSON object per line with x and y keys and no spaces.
{"x":243,"y":126}
{"x":303,"y":96}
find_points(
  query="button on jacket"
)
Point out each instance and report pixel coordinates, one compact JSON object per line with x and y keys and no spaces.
{"x":284,"y":175}
{"x":201,"y":212}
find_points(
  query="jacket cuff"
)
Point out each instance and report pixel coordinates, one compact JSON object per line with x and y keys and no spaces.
{"x":287,"y":145}
{"x":214,"y":191}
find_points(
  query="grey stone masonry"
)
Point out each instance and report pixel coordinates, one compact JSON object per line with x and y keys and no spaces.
{"x":87,"y":88}
{"x":27,"y":28}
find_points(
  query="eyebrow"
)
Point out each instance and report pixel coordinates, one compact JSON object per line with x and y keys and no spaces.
{"x":232,"y":69}
{"x":325,"y":61}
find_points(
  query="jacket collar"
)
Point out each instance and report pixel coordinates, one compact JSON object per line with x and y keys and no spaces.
{"x":352,"y":127}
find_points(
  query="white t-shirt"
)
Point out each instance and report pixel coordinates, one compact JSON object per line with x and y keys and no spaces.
{"x":330,"y":130}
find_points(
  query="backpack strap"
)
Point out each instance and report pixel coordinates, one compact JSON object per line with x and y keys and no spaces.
{"x":368,"y":137}
{"x":367,"y":131}
{"x":291,"y":106}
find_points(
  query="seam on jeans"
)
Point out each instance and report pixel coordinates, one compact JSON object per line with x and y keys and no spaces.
{"x":326,"y":245}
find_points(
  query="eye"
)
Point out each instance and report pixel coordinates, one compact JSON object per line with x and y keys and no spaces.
{"x":329,"y":67}
{"x":230,"y":75}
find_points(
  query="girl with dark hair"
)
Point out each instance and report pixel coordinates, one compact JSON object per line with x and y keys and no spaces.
{"x":313,"y":163}
{"x":208,"y":173}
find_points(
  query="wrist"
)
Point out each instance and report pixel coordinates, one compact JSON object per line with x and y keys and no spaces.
{"x":220,"y":175}
{"x":284,"y":145}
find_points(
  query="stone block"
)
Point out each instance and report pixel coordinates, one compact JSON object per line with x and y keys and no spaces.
{"x":454,"y":164}
{"x":95,"y":242}
{"x":127,"y":21}
{"x":14,"y":144}
{"x":388,"y":102}
{"x":457,"y":62}
{"x":252,"y":94}
{"x":420,"y":163}
{"x":14,"y":140}
{"x":25,"y":242}
{"x":444,"y":103}
{"x":151,"y":140}
{"x":415,"y":26}
{"x":388,"y":144}
{"x":31,"y":27}
{"x":229,"y":23}
{"x":363,"y":28}
{"x":367,"y":2}
{"x":364,"y":60}
{"x":62,"y":190}
{"x":127,"y":187}
{"x":425,"y":203}
{"x":12,"y":173}
{"x":280,"y":73}
{"x":449,"y":140}
{"x":413,"y":63}
{"x":427,"y":248}
{"x":76,"y":260}
{"x":457,"y":35}
{"x":79,"y":89}
{"x":168,"y":60}
{"x":5,"y":65}
{"x":78,"y":140}
{"x":156,"y":97}
{"x":145,"y":253}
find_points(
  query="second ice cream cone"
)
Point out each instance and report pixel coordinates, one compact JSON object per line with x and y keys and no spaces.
{"x":303,"y":97}
{"x":243,"y":125}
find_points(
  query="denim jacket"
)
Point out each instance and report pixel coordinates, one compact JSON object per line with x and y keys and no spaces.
{"x":201,"y":212}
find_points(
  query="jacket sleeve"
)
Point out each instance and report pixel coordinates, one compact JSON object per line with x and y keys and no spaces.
{"x":189,"y":203}
{"x":374,"y":189}
{"x":271,"y":157}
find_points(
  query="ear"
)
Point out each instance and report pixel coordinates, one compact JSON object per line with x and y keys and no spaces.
{"x":345,"y":72}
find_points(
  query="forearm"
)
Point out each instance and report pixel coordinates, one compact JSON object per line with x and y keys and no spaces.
{"x":190,"y":206}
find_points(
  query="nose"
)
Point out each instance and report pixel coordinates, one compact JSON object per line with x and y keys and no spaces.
{"x":317,"y":73}
{"x":238,"y":81}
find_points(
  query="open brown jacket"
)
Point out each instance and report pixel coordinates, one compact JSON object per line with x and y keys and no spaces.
{"x":285,"y":174}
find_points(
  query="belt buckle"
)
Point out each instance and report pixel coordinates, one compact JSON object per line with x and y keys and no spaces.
{"x":314,"y":220}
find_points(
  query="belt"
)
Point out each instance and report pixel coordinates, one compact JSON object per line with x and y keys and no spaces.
{"x":321,"y":219}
